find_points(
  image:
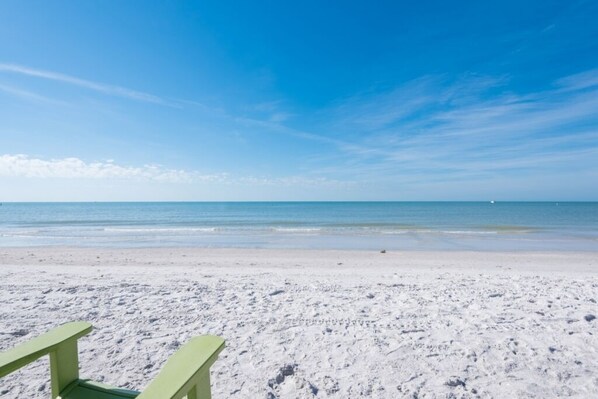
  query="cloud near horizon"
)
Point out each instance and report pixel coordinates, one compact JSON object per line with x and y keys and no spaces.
{"x":24,"y":166}
{"x":21,"y":165}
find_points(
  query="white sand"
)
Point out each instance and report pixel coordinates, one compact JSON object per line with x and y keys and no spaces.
{"x":302,"y":324}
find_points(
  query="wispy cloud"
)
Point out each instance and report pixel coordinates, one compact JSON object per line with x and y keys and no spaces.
{"x":107,"y":89}
{"x":433,"y":128}
{"x":582,"y":80}
{"x":295,"y":181}
{"x":268,"y":116}
{"x":28,"y":95}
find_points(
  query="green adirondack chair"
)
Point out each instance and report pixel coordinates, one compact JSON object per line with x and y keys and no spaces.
{"x":185,"y":374}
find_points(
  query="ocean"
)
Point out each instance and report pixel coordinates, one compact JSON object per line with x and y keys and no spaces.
{"x":500,"y":226}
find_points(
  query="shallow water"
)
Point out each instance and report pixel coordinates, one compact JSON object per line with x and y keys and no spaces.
{"x":359,"y":225}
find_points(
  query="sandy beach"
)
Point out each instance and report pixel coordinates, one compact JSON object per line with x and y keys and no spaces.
{"x":316,"y":324}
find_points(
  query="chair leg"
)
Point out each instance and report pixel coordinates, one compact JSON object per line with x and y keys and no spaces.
{"x":64,"y":366}
{"x":202,"y":390}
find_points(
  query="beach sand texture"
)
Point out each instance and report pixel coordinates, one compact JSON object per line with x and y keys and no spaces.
{"x":323,"y":324}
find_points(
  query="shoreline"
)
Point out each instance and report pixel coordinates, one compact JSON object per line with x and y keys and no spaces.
{"x":235,"y":258}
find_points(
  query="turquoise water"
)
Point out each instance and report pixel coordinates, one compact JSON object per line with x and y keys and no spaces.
{"x":358,"y":225}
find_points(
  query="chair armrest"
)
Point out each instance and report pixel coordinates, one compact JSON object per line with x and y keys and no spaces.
{"x":187,"y":370}
{"x":27,"y":352}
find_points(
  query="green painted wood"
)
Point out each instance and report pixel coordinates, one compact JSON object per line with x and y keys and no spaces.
{"x":27,"y":352}
{"x":84,"y":389}
{"x":201,"y":390}
{"x":188,"y":367}
{"x":64,"y":366}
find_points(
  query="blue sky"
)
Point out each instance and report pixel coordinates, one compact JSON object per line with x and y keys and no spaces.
{"x":143,"y":100}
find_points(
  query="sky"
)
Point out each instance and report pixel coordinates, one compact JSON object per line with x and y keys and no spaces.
{"x":311,"y":100}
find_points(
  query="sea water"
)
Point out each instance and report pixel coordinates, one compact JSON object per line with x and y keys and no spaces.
{"x":562,"y":226}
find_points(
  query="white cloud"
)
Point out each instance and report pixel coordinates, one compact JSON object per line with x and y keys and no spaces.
{"x":23,"y":166}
